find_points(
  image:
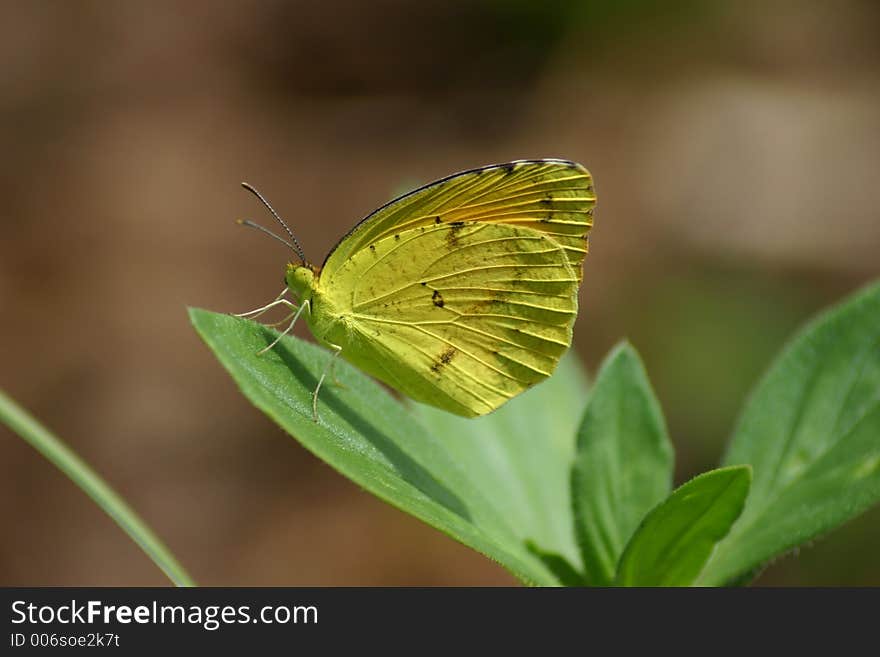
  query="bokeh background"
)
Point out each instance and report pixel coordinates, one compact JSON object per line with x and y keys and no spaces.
{"x":735,"y":147}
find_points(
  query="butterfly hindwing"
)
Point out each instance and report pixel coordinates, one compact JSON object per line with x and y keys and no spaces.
{"x":462,"y":315}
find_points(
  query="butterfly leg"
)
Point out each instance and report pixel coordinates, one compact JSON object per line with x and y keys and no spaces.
{"x":283,"y":319}
{"x":253,"y":314}
{"x":336,"y":381}
{"x":286,"y":331}
{"x":327,"y":367}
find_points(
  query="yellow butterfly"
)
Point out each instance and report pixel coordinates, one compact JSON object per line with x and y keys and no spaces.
{"x":460,"y":294}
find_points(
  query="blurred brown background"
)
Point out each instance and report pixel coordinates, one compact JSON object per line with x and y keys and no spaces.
{"x":735,"y":146}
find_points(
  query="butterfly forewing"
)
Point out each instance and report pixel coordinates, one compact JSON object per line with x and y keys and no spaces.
{"x":554,"y":197}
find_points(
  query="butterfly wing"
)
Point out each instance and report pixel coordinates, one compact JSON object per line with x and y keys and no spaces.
{"x":553,"y":197}
{"x":463,"y":317}
{"x":463,"y":293}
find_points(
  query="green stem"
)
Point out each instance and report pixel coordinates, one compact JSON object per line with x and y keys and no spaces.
{"x":41,"y":439}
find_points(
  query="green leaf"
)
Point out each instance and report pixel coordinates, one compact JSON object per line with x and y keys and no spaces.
{"x":623,"y":465}
{"x":811,"y":432}
{"x":519,"y":457}
{"x":675,"y":540}
{"x":368,"y":436}
{"x":79,"y":472}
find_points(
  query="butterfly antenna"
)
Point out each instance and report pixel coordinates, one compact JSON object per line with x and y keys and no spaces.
{"x":252,"y":224}
{"x":293,"y":244}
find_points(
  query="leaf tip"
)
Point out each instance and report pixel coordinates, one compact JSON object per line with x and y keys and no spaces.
{"x":623,"y":354}
{"x":742,"y":471}
{"x":195,"y":313}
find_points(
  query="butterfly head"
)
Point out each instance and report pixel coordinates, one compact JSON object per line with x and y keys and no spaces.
{"x":301,"y":280}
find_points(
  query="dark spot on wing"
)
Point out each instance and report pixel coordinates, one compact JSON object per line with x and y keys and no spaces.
{"x":443,"y":359}
{"x":452,"y":237}
{"x":509,"y":167}
{"x":547,"y":200}
{"x":437,"y":220}
{"x":424,"y":283}
{"x":372,"y":247}
{"x":397,"y":237}
{"x":437,"y":298}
